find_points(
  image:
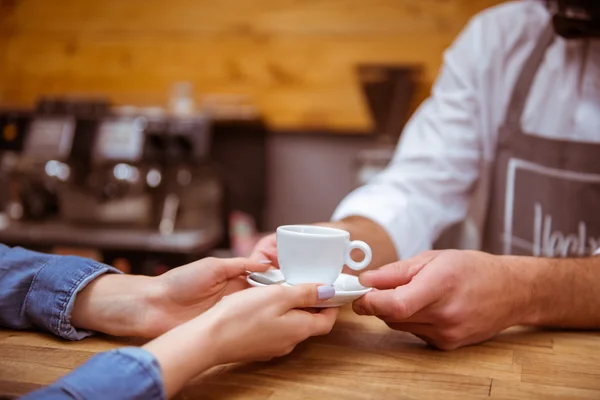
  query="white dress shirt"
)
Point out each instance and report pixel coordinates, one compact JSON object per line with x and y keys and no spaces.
{"x":450,"y":141}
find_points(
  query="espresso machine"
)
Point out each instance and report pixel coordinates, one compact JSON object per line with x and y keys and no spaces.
{"x":144,"y":170}
{"x":128,"y":182}
{"x":13,"y":125}
{"x":36,"y":151}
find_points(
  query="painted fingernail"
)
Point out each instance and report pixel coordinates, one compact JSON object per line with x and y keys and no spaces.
{"x":265,"y":262}
{"x":325,"y":292}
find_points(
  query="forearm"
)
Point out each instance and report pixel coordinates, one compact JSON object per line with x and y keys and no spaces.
{"x":70,"y":296}
{"x":39,"y":290}
{"x":364,"y":229}
{"x":117,"y":305}
{"x":562,"y":293}
{"x":183,"y":353}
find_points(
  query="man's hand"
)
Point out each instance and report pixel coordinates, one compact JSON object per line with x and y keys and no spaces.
{"x":449,"y":298}
{"x":127,"y":305}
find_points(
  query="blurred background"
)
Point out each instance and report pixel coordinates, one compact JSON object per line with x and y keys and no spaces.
{"x":147,"y":134}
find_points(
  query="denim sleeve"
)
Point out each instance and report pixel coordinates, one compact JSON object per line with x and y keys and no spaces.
{"x":127,"y":373}
{"x":38,"y":290}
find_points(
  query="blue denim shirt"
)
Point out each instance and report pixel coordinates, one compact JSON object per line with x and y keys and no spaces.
{"x":38,"y":291}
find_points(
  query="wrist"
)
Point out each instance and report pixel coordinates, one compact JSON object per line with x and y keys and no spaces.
{"x":532,"y":284}
{"x":184,"y":352}
{"x":560,"y":292}
{"x":115,"y":305}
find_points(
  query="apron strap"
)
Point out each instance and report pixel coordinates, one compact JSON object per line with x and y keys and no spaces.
{"x":520,"y":93}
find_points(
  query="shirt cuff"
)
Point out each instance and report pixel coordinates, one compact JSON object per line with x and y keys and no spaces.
{"x":51,"y":296}
{"x":126,"y":373}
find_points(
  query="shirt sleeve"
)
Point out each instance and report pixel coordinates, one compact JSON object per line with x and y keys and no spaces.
{"x":127,"y":373}
{"x":426,"y":187}
{"x":38,"y":290}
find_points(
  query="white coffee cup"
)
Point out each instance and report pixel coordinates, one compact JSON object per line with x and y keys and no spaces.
{"x":316,"y":254}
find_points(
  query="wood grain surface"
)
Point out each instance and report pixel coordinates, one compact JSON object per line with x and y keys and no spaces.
{"x":294,"y":59}
{"x":360,"y":359}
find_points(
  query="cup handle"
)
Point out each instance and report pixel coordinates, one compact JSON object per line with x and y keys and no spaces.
{"x":357,"y":266}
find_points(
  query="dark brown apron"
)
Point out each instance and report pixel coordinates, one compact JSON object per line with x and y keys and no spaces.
{"x":545,"y":193}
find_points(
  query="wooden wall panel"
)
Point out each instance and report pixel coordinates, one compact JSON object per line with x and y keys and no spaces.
{"x":3,"y":73}
{"x":6,"y":10}
{"x":295,"y":59}
{"x":267,"y":16}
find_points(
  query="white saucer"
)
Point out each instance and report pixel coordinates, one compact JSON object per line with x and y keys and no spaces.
{"x":347,"y":288}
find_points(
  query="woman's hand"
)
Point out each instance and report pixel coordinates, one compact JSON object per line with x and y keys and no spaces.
{"x":255,"y":324}
{"x":262,"y":323}
{"x":190,"y":290}
{"x":128,"y":305}
{"x":266,"y":250}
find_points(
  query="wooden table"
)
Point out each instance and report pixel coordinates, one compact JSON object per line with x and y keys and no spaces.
{"x":360,"y":359}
